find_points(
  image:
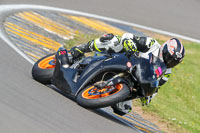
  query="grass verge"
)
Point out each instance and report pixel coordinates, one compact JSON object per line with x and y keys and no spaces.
{"x":80,"y":39}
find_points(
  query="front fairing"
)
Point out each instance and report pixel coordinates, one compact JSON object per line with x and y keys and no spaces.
{"x":146,"y":75}
{"x":68,"y":80}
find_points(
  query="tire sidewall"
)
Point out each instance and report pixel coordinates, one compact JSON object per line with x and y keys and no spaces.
{"x":42,"y":75}
{"x":105,"y":101}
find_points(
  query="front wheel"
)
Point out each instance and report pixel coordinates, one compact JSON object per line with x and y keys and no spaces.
{"x":93,"y":97}
{"x":43,"y":69}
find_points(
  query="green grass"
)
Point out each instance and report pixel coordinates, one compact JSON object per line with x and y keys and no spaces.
{"x":178,"y":101}
{"x":80,"y":39}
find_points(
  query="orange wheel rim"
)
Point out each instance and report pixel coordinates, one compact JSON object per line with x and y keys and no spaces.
{"x":47,"y":63}
{"x":95,"y":93}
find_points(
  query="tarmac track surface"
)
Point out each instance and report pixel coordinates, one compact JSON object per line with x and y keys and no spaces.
{"x":28,"y":106}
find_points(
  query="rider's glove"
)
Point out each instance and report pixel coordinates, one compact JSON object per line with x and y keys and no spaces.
{"x":76,"y":52}
{"x":129,"y":45}
{"x":147,"y":100}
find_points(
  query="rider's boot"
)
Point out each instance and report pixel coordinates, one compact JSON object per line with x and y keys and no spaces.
{"x":76,"y":52}
{"x":122,"y":108}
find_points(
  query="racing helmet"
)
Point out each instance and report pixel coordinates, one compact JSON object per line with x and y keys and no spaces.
{"x":172,"y":52}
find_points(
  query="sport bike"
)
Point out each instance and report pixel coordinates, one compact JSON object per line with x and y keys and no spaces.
{"x":100,"y":80}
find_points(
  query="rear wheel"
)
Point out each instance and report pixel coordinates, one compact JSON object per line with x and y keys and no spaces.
{"x":43,"y":69}
{"x":93,"y":97}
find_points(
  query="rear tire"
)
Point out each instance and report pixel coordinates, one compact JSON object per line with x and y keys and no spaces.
{"x":43,"y":73}
{"x":93,"y":103}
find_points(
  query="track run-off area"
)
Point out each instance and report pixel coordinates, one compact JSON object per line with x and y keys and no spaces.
{"x":33,"y":32}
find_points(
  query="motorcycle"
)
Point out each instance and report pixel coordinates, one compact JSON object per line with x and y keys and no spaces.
{"x":100,"y":80}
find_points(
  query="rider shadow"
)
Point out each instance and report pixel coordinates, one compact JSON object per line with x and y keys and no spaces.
{"x":101,"y":112}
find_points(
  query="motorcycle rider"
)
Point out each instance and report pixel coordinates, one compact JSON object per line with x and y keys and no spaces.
{"x":171,"y":52}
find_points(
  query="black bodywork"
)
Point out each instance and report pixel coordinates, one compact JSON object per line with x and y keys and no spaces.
{"x":140,"y":73}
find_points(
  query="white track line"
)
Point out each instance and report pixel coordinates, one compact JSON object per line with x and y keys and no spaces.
{"x":5,"y":9}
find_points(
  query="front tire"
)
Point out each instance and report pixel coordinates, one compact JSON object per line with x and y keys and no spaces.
{"x":43,"y":69}
{"x":92,"y":98}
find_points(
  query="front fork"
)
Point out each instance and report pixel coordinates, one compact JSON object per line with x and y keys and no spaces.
{"x":113,"y":81}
